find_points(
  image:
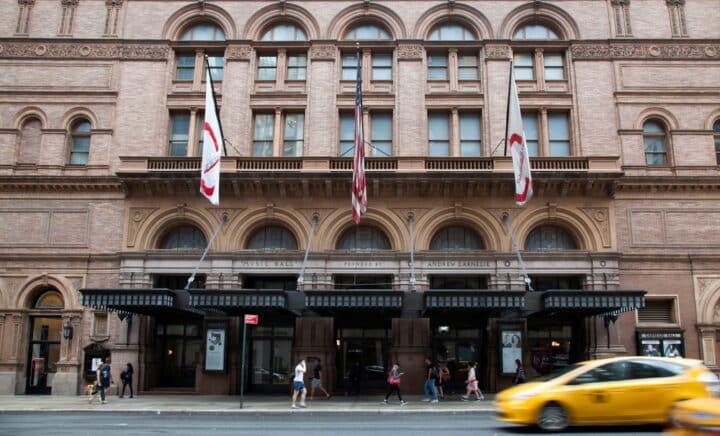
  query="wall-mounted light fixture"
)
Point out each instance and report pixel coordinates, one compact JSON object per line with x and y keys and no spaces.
{"x":67,"y":330}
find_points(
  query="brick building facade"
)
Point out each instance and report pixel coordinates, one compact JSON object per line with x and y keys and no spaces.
{"x":101,"y":224}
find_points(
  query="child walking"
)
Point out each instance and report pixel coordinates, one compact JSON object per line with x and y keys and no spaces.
{"x":472,"y":384}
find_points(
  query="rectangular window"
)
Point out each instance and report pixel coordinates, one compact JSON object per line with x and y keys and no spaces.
{"x":100,"y":327}
{"x":657,"y":311}
{"x":530,"y":125}
{"x":467,"y":67}
{"x":294,"y":134}
{"x":216,"y":64}
{"x":439,"y":134}
{"x":554,"y":69}
{"x":349,"y":67}
{"x":185,"y":68}
{"x":267,"y":67}
{"x":381,"y":134}
{"x":347,"y":134}
{"x":559,"y":133}
{"x":297,"y":67}
{"x":382,"y":67}
{"x":200,"y":130}
{"x":180,"y":122}
{"x":523,"y":66}
{"x":437,"y":67}
{"x":470,"y":134}
{"x":80,"y":152}
{"x":263,"y":139}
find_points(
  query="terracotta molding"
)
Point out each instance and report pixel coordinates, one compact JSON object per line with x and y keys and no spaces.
{"x":323,"y":52}
{"x":83,"y":50}
{"x":238,"y":53}
{"x":497,"y":52}
{"x":410,"y":52}
{"x":659,"y":50}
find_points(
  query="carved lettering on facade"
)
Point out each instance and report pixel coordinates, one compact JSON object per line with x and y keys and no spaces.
{"x":410,"y":51}
{"x":262,"y":263}
{"x":361,"y":264}
{"x":86,"y":50}
{"x":645,"y":51}
{"x":323,"y":52}
{"x":457,"y":264}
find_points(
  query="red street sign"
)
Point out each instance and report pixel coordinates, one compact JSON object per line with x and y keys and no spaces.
{"x":251,"y":319}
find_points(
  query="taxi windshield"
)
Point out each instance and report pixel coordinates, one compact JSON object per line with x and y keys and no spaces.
{"x":558,"y":372}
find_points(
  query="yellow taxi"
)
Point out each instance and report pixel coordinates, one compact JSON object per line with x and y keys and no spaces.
{"x":620,"y":390}
{"x":700,"y":416}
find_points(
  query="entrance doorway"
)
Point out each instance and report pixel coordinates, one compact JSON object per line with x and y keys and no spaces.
{"x":362,"y":357}
{"x":179,"y":349}
{"x":271,"y":368}
{"x":44,"y":353}
{"x":455,"y":346}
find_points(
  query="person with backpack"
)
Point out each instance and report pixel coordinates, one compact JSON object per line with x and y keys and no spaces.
{"x":104,"y":380}
{"x":431,"y":376}
{"x":127,"y":379}
{"x":393,"y":381}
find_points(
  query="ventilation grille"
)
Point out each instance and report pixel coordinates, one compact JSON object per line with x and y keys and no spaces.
{"x":657,"y":311}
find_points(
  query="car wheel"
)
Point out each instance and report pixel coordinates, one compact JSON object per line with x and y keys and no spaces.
{"x":553,"y":417}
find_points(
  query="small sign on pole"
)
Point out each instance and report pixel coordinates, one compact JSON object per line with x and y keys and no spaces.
{"x":251,"y":319}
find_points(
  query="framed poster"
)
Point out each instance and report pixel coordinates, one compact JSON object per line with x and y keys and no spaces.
{"x":511,"y":349}
{"x":215,"y":346}
{"x":661,"y":343}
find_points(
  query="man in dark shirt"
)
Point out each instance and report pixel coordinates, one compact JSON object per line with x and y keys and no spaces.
{"x":317,"y":382}
{"x":431,"y":375}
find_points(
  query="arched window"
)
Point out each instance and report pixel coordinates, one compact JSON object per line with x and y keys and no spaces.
{"x":535,"y":31}
{"x":49,"y":300}
{"x":30,"y":136}
{"x":272,"y":237}
{"x":366,"y":31}
{"x":456,"y":238}
{"x":549,"y":238}
{"x":284,"y":32}
{"x":80,"y":142}
{"x":655,"y":140}
{"x":363,"y":238}
{"x":451,"y":32}
{"x":716,"y":136}
{"x":203,"y":32}
{"x":184,"y":236}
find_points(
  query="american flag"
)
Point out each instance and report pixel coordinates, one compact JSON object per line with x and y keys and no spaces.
{"x":359,"y":191}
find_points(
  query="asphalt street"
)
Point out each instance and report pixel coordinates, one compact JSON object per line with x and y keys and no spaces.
{"x":303,"y":422}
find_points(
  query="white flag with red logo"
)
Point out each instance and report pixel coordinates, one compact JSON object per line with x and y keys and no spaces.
{"x":212,"y":144}
{"x":359,"y":188}
{"x":518,"y":148}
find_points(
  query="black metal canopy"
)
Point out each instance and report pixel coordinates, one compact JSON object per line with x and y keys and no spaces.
{"x":474,"y":299}
{"x":354,"y":299}
{"x":237,"y":301}
{"x":126,"y":302}
{"x":593,"y":302}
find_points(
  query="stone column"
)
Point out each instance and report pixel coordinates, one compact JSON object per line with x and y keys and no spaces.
{"x":66,"y":379}
{"x":409,"y":346}
{"x":321,"y":112}
{"x":708,"y":337}
{"x":410,"y":100}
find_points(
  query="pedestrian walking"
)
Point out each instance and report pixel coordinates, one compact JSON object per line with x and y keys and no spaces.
{"x":445,"y":382}
{"x":316,"y":382}
{"x":430,"y":391}
{"x":127,"y":379}
{"x":472,"y":384}
{"x":519,"y":372}
{"x":104,"y":380}
{"x":354,"y":376}
{"x":299,"y":385}
{"x":393,"y":382}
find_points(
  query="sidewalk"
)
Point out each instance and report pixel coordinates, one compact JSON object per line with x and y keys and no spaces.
{"x":231,"y":404}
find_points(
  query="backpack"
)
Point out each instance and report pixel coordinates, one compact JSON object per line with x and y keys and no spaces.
{"x":105,"y":376}
{"x":123,"y":375}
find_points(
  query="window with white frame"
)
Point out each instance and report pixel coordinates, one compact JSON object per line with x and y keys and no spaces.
{"x":270,"y":66}
{"x":186,"y":133}
{"x":543,"y":63}
{"x":438,"y":134}
{"x":80,"y":142}
{"x":379,"y":126}
{"x":195,"y":44}
{"x":655,"y":141}
{"x":547,"y":133}
{"x":441,"y":141}
{"x":292,"y":131}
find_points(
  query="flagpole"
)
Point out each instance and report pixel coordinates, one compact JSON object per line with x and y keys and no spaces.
{"x":313,"y":224}
{"x":197,"y":267}
{"x":217,"y":115}
{"x":516,"y":247}
{"x":362,"y":106}
{"x":507,"y":112}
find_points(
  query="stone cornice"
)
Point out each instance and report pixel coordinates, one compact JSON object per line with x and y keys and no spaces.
{"x":652,"y":184}
{"x":83,"y":49}
{"x":662,"y":50}
{"x":61,"y":184}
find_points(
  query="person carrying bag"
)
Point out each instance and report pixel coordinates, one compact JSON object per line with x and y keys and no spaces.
{"x":393,"y":381}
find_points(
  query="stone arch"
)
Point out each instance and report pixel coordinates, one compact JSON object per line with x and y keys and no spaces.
{"x":30,"y":112}
{"x":76,"y":113}
{"x":339,"y":221}
{"x":586,"y":237}
{"x":460,"y":13}
{"x":281,"y":12}
{"x":712,"y":119}
{"x":257,"y":218}
{"x":370,"y":12}
{"x":31,"y":289}
{"x":157,"y":224}
{"x":198,"y":12}
{"x":708,"y":299}
{"x":431,"y":223}
{"x":540,"y":12}
{"x":657,"y":113}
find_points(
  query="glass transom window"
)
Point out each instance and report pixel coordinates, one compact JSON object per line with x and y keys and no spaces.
{"x":456,"y":238}
{"x":272,"y":237}
{"x":185,"y":236}
{"x":367,"y":31}
{"x":284,"y":32}
{"x":363,"y":238}
{"x":535,"y":31}
{"x":451,"y":32}
{"x":203,"y":32}
{"x":549,"y":238}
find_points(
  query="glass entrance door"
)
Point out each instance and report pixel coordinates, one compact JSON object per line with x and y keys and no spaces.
{"x":271,"y":368}
{"x":362,"y":360}
{"x":44,"y":354}
{"x":180,"y":348}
